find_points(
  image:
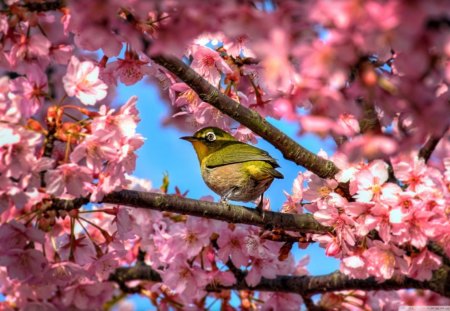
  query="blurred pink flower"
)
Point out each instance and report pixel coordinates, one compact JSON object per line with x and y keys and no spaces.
{"x":280,"y":301}
{"x":89,"y":295}
{"x":369,"y":146}
{"x":209,"y":64}
{"x":423,"y":265}
{"x":14,"y":235}
{"x":23,"y":264}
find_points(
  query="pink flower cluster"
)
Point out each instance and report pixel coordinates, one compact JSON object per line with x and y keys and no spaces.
{"x":372,"y":74}
{"x":385,"y":228}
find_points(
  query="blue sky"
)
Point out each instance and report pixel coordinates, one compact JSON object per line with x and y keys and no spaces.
{"x":163,"y":152}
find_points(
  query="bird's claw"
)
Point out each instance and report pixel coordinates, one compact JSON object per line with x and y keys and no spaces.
{"x":260,"y":208}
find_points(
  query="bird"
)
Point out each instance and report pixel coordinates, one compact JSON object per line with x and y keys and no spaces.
{"x":234,"y":170}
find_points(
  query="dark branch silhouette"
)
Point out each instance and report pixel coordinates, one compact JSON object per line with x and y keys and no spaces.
{"x":429,"y":146}
{"x":219,"y":211}
{"x":305,"y":285}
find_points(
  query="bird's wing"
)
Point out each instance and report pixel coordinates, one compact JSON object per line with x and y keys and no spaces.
{"x":238,"y":152}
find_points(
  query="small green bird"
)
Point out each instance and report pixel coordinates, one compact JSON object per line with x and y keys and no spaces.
{"x":233,"y":169}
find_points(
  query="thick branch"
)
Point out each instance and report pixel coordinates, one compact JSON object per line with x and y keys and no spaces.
{"x":44,"y":6}
{"x":290,"y":149}
{"x":219,"y":211}
{"x":307,"y":285}
{"x":226,"y":212}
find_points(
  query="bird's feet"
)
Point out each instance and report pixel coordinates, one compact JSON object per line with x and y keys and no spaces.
{"x":260,"y":207}
{"x":224,"y":202}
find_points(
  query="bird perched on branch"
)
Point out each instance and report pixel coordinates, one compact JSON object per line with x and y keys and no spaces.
{"x":235,"y":170}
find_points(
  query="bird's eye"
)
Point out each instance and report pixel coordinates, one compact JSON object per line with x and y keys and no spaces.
{"x":210,"y":136}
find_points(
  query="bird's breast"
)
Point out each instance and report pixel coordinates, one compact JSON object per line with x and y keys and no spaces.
{"x":240,"y":178}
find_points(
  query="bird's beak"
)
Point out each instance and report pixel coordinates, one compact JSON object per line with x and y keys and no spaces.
{"x":189,"y":138}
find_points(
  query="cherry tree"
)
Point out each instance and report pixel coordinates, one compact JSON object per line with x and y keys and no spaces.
{"x":79,"y":232}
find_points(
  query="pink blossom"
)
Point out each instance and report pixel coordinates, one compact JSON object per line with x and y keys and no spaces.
{"x":423,"y":265}
{"x":131,"y":69}
{"x":187,"y":99}
{"x":14,"y":235}
{"x":29,"y":47}
{"x":384,"y":260}
{"x":369,"y":146}
{"x":331,"y":213}
{"x":189,"y":238}
{"x":417,"y":228}
{"x":237,"y":46}
{"x":292,"y":203}
{"x":87,"y":295}
{"x":348,"y":125}
{"x":361,"y":213}
{"x":318,"y":188}
{"x":223,"y":278}
{"x":413,"y":173}
{"x":81,"y":81}
{"x":65,"y":273}
{"x":30,"y":91}
{"x":23,"y":264}
{"x":278,"y":301}
{"x":39,"y":306}
{"x":383,"y":300}
{"x":261,"y":268}
{"x":81,"y":249}
{"x":422,"y":298}
{"x":332,"y":244}
{"x":18,"y":159}
{"x":369,"y":183}
{"x":185,"y":280}
{"x":95,"y":150}
{"x":124,"y":222}
{"x":245,"y":135}
{"x":278,"y":71}
{"x":68,"y":179}
{"x":105,"y":265}
{"x":209,"y":63}
{"x":355,"y":266}
{"x":232,"y":245}
{"x":284,"y":108}
{"x":316,"y":124}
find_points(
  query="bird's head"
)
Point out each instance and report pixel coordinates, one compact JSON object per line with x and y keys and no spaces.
{"x":209,"y":140}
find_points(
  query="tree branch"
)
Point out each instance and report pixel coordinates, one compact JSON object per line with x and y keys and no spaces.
{"x":44,"y":6}
{"x":290,"y":149}
{"x":306,"y":285}
{"x":429,"y":146}
{"x":225,"y":212}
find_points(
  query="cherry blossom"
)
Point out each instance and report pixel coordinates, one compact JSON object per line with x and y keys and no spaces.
{"x":209,"y":63}
{"x":369,"y":78}
{"x":82,"y":81}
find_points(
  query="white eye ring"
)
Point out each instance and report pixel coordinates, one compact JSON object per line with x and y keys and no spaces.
{"x":210,"y":136}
